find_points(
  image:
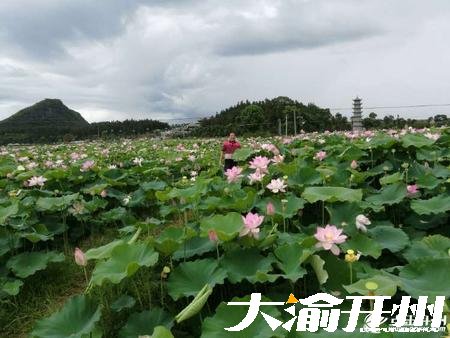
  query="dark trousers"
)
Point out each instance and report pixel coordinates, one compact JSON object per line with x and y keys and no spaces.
{"x":229,"y":163}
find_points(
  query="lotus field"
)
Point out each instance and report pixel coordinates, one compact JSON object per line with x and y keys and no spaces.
{"x":150,"y":238}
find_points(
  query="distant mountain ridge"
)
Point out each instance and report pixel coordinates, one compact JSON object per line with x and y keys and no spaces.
{"x":46,"y":113}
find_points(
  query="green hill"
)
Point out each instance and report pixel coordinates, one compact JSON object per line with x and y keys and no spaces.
{"x":49,"y":117}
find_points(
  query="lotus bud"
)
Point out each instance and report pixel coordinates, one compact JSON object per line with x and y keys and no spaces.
{"x":354,"y":164}
{"x":80,"y":257}
{"x":270,"y":209}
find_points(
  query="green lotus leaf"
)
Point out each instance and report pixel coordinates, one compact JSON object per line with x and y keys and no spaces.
{"x":386,"y":286}
{"x":77,"y":318}
{"x":27,"y":263}
{"x":161,"y":332}
{"x":10,"y":286}
{"x":344,"y":214}
{"x":416,"y":140}
{"x":55,"y":203}
{"x":290,"y":257}
{"x":143,"y":323}
{"x":434,"y":205}
{"x":317,"y":264}
{"x":116,"y":214}
{"x":229,"y":316}
{"x":426,"y":277}
{"x":303,"y":176}
{"x":154,"y":185}
{"x":188,"y":278}
{"x":428,"y":181}
{"x":247,"y":264}
{"x":390,"y":238}
{"x":390,"y":194}
{"x":104,"y":251}
{"x":242,"y":154}
{"x":6,"y":212}
{"x":367,"y":246}
{"x":193,"y":247}
{"x":436,"y":246}
{"x":171,"y":239}
{"x":226,"y":226}
{"x":125,"y":260}
{"x":287,"y":210}
{"x":394,"y":178}
{"x":123,"y":302}
{"x":332,"y":194}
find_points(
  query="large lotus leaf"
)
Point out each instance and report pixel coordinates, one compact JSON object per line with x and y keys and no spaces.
{"x":39,"y":232}
{"x":115,"y":214}
{"x":290,"y":257}
{"x":123,"y":302}
{"x":436,"y":246}
{"x":367,"y":246}
{"x":226,"y":226}
{"x":161,"y":332}
{"x":317,"y":264}
{"x":428,"y":181}
{"x":242,"y":154}
{"x":8,"y":240}
{"x":434,"y":205}
{"x":385,"y":286}
{"x":426,"y":277}
{"x":247,"y":264}
{"x":287,"y":210}
{"x":143,"y":323}
{"x":77,"y":318}
{"x":332,"y":194}
{"x":55,"y":203}
{"x":27,"y":263}
{"x":390,"y":194}
{"x":380,"y":140}
{"x":416,"y":140}
{"x":10,"y":286}
{"x":171,"y":239}
{"x":188,"y":278}
{"x":154,"y":185}
{"x":6,"y":212}
{"x":390,"y":238}
{"x":125,"y":260}
{"x":304,"y":176}
{"x":344,"y":214}
{"x":228,"y":316}
{"x":394,"y":178}
{"x":104,"y":251}
{"x":194,"y":246}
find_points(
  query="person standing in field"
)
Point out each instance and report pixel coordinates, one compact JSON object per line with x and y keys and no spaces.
{"x":228,"y":148}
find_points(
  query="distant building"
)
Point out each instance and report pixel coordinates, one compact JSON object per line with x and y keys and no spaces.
{"x":357,"y":115}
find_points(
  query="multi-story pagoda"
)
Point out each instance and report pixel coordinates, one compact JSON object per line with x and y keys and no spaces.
{"x":357,"y":115}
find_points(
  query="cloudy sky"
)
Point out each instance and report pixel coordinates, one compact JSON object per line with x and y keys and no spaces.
{"x":117,"y":59}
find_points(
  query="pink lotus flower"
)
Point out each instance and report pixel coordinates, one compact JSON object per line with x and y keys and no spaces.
{"x":320,"y":155}
{"x":104,"y":193}
{"x":277,"y":185}
{"x":354,"y":164}
{"x":212,"y":234}
{"x":257,"y":176}
{"x":233,"y":174}
{"x":80,"y":257}
{"x":36,"y":180}
{"x":412,"y":189}
{"x":89,"y":164}
{"x":260,"y":163}
{"x":278,"y":159}
{"x":328,"y":237}
{"x":251,"y":225}
{"x":270,"y":209}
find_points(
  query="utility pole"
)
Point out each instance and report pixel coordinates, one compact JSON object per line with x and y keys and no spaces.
{"x":295,"y":124}
{"x":279,"y":127}
{"x":286,"y":127}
